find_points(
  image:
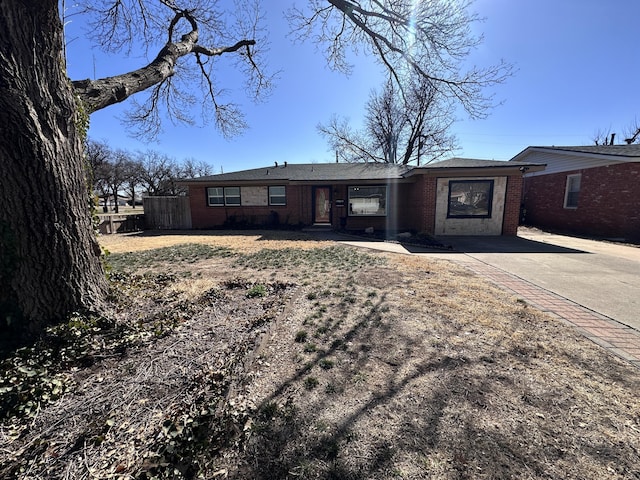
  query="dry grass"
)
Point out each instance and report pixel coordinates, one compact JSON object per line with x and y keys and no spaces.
{"x":242,"y":241}
{"x":407,"y":368}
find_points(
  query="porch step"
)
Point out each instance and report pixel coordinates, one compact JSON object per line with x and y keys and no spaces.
{"x":318,"y":227}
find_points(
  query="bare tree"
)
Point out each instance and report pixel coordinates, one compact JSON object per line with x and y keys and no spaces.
{"x":193,"y":168}
{"x":132,"y":178}
{"x":189,"y":168}
{"x":199,"y":31}
{"x":155,"y":172}
{"x":98,"y":156}
{"x":399,"y":128}
{"x":117,"y":176}
{"x":632,"y":133}
{"x":425,"y":40}
{"x":604,"y":137}
{"x":96,"y":153}
{"x":50,"y":260}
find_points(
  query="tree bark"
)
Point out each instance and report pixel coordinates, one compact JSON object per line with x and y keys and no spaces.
{"x":49,"y":256}
{"x":101,"y":93}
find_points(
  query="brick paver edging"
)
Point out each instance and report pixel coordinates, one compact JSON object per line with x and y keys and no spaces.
{"x":617,"y":338}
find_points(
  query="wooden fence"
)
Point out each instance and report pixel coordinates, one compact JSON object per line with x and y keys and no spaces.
{"x":121,"y":223}
{"x":167,"y":213}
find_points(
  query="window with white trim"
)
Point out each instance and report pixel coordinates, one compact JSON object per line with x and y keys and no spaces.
{"x":221,"y":196}
{"x":572,"y":190}
{"x":368,"y":201}
{"x":215,"y":196}
{"x":232,"y":196}
{"x":277,"y":195}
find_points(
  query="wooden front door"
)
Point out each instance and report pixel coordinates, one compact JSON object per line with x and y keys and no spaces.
{"x":322,"y":205}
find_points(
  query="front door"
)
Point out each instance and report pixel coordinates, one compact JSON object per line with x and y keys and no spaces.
{"x":322,"y":205}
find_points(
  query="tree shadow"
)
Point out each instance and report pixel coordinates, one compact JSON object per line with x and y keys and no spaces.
{"x":502,"y":244}
{"x":441,"y":416}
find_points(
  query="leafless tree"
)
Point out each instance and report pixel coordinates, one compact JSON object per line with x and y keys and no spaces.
{"x":632,"y":133}
{"x":98,"y":155}
{"x":156,"y":172}
{"x":132,"y":178}
{"x":604,"y":137}
{"x":198,"y":33}
{"x":189,"y":168}
{"x":193,"y":168}
{"x":410,"y":39}
{"x":399,"y":128}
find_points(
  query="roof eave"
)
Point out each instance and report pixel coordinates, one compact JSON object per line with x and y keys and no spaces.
{"x":573,"y":153}
{"x":486,"y":171}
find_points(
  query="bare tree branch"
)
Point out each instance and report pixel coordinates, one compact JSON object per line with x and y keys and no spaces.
{"x":430,"y":40}
{"x":163,"y":78}
{"x":412,"y":40}
{"x":409,"y":128}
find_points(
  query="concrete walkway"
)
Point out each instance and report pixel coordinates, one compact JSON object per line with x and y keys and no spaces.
{"x":591,"y":285}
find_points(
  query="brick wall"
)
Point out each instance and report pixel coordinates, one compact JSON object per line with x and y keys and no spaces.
{"x":293,"y":213}
{"x":419,"y":210}
{"x":513,"y":200}
{"x":412,"y":207}
{"x":608,"y":202}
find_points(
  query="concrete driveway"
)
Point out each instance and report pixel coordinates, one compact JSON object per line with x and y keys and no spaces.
{"x":601,"y":276}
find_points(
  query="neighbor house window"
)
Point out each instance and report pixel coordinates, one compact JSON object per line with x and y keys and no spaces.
{"x":369,"y":200}
{"x":220,"y":196}
{"x":470,"y":198}
{"x":277,"y":195}
{"x":572,"y":190}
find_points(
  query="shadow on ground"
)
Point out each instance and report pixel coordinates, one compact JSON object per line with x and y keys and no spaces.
{"x":437,"y":413}
{"x":500,"y":244}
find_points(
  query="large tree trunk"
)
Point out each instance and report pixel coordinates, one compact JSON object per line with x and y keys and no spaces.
{"x":49,"y":256}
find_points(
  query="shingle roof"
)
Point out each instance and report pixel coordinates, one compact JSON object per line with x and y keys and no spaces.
{"x":467,"y":163}
{"x":617,"y":150}
{"x":627,"y":151}
{"x":325,"y":172}
{"x":313,"y":172}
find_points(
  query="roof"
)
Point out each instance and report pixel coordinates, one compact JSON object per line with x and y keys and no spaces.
{"x":621,"y":152}
{"x":312,"y":172}
{"x":468,"y":163}
{"x":341,"y":172}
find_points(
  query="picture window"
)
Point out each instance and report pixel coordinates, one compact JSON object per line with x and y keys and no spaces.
{"x":368,"y":201}
{"x":470,"y":198}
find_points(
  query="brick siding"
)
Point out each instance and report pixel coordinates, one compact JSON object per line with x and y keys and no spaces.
{"x":295,"y":212}
{"x":608,"y":202}
{"x":412,"y":207}
{"x":513,"y":199}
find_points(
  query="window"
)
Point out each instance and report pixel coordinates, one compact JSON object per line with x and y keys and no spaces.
{"x":370,"y":200}
{"x":470,"y":198}
{"x":219,"y":196}
{"x":277,"y":195}
{"x":232,"y":195}
{"x":215,"y":196}
{"x":572,"y":190}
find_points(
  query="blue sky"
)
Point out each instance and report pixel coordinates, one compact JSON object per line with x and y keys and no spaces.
{"x":576,"y":73}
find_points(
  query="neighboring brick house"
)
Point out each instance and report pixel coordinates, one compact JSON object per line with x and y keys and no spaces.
{"x":453,"y":197}
{"x":592,"y":190}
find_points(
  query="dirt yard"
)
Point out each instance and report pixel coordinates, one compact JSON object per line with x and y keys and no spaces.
{"x":270,"y":355}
